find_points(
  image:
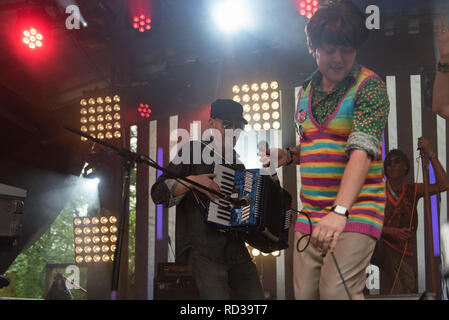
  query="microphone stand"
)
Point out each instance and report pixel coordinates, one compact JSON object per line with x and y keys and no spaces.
{"x":131,"y":158}
{"x":428,"y":215}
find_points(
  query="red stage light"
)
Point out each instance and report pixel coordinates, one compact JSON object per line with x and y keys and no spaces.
{"x":144,"y":110}
{"x":307,"y":7}
{"x":142,"y":23}
{"x":32,"y":38}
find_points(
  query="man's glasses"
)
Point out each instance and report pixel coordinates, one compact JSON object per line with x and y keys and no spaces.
{"x":389,"y":162}
{"x":232,"y":124}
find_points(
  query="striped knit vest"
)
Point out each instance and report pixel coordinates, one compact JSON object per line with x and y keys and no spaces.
{"x":323,"y":161}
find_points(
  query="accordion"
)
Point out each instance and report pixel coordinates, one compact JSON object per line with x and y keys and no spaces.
{"x":264,"y":219}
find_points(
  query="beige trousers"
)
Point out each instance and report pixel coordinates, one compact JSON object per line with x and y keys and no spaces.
{"x":317,"y":278}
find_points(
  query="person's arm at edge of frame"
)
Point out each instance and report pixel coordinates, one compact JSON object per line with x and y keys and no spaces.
{"x":440,"y":104}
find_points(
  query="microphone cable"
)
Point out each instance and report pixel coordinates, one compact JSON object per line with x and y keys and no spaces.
{"x":332,"y":254}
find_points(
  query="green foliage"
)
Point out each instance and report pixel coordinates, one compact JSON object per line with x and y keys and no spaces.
{"x":56,"y":246}
{"x":132,"y":218}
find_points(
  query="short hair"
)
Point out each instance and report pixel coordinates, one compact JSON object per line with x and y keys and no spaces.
{"x":339,"y":23}
{"x":399,"y":154}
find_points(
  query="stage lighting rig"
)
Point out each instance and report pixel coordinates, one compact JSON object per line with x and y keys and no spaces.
{"x":261,"y":104}
{"x":95,"y":239}
{"x":100,"y":116}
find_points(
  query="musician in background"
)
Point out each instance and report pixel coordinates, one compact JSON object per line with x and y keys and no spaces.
{"x":440,"y":104}
{"x":219,"y":260}
{"x":395,"y":252}
{"x":341,"y":114}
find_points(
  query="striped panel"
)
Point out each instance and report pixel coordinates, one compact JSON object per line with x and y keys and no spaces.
{"x":152,"y":210}
{"x":415,"y":93}
{"x":172,"y":211}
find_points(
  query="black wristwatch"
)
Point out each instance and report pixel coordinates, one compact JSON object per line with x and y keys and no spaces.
{"x":443,"y":67}
{"x":343,"y":211}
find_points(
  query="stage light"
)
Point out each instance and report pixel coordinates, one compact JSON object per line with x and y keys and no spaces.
{"x":86,"y":245}
{"x":141,"y":23}
{"x":269,"y":98}
{"x":91,"y":185}
{"x":255,"y":252}
{"x":98,"y":112}
{"x":255,"y":87}
{"x":231,"y":15}
{"x":144,"y":110}
{"x":255,"y":97}
{"x":307,"y":7}
{"x":275,"y":253}
{"x":32,"y":38}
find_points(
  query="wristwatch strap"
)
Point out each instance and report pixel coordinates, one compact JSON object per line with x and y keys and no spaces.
{"x":443,"y":67}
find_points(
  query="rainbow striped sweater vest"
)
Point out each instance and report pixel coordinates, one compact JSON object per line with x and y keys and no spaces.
{"x":323,"y":161}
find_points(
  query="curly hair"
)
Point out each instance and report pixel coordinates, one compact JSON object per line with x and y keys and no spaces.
{"x":399,"y":154}
{"x":339,"y":23}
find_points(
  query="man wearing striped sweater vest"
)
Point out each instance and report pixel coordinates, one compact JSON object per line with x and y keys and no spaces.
{"x":341,"y":114}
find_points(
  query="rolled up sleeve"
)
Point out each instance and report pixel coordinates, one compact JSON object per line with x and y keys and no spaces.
{"x":370,"y":116}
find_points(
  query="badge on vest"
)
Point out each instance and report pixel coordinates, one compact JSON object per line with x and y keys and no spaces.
{"x":302,"y":116}
{"x":301,"y":132}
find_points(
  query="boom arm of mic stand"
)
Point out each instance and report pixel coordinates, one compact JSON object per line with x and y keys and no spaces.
{"x":143,"y":159}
